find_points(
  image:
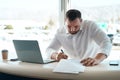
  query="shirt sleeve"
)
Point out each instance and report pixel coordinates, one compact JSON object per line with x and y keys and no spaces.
{"x":101,"y":39}
{"x":54,"y":46}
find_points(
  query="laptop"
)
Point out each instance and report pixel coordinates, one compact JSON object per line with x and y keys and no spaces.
{"x":29,"y":51}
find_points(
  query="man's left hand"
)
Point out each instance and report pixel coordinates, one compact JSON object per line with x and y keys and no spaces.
{"x":94,"y":61}
{"x":90,"y":61}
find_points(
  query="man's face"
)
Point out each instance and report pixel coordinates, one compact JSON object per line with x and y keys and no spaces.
{"x":73,"y":26}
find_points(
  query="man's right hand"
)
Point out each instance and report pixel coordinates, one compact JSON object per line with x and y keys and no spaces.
{"x":59,"y":56}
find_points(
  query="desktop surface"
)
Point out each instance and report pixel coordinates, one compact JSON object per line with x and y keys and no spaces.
{"x":102,"y":71}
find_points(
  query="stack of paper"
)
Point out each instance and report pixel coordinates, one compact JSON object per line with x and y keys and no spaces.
{"x":69,"y":66}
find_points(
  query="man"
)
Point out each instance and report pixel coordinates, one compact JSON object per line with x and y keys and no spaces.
{"x":80,"y":39}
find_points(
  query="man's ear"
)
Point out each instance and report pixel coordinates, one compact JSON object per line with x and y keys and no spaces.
{"x":80,"y":20}
{"x":65,"y":19}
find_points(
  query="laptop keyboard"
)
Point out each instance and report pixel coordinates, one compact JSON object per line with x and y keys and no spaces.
{"x":48,"y":60}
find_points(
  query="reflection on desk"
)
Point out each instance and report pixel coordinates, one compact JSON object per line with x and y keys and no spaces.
{"x":45,"y":71}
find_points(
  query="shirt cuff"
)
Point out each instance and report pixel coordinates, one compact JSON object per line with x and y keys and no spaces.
{"x":49,"y":52}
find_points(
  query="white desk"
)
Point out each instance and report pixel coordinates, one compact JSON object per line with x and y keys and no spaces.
{"x":100,"y":72}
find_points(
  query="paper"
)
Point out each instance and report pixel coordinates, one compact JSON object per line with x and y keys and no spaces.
{"x":69,"y":66}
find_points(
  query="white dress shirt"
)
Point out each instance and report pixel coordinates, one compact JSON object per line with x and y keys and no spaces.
{"x":87,"y":42}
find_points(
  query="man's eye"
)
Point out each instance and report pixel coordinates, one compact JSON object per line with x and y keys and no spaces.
{"x":68,"y":26}
{"x":76,"y":26}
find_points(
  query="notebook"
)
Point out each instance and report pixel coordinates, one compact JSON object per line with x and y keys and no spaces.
{"x":29,"y":51}
{"x":69,"y":66}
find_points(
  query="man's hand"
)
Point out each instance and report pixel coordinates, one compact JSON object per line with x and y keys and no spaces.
{"x":94,"y":61}
{"x":59,"y":56}
{"x":90,"y":61}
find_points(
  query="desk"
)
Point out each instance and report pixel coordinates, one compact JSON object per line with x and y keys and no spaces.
{"x":100,"y":72}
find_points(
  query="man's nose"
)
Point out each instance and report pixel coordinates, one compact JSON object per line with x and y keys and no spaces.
{"x":72,"y":29}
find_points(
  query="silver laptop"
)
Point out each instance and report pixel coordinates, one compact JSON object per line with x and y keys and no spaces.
{"x":29,"y":51}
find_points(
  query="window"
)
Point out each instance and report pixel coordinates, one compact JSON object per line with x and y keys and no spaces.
{"x":27,"y":19}
{"x":106,"y":14}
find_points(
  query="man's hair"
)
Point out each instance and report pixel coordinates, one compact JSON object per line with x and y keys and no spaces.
{"x":72,"y":14}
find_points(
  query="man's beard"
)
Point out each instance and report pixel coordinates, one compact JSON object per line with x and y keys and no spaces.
{"x":73,"y":32}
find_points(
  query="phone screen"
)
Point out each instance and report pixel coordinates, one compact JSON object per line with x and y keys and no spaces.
{"x":114,"y":63}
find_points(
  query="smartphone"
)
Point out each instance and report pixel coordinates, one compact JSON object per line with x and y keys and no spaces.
{"x":16,"y":59}
{"x":114,"y":63}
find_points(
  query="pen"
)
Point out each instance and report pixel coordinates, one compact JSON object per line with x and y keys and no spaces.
{"x":62,"y":51}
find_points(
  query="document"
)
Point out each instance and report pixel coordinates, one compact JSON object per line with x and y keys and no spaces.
{"x":69,"y":66}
